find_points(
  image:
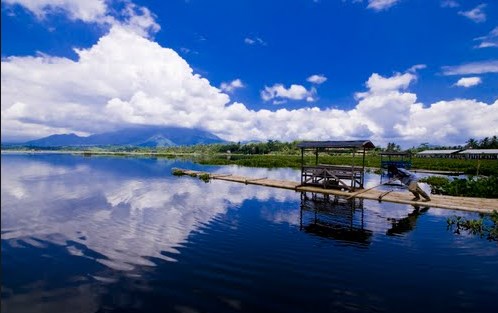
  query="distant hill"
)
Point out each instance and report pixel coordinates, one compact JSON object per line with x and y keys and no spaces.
{"x":135,"y":136}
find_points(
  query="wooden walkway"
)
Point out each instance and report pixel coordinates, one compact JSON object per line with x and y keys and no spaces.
{"x":481,"y":205}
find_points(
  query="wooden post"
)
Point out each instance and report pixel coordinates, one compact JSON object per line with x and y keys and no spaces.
{"x":316,"y":156}
{"x":478,"y":164}
{"x":363,"y":169}
{"x":352,"y":172}
{"x":302,"y":164}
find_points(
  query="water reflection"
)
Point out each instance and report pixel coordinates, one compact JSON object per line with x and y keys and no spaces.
{"x":127,"y":212}
{"x":334,"y":218}
{"x":100,"y":234}
{"x":344,"y":220}
{"x":406,"y":224}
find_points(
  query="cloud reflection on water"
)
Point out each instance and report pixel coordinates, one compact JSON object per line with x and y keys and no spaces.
{"x":110,"y":219}
{"x":128,"y":220}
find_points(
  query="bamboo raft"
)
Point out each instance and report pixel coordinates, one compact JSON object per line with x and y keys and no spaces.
{"x":480,"y":205}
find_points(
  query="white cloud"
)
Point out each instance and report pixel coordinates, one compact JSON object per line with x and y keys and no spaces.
{"x":254,"y":41}
{"x":378,"y":84}
{"x":477,"y":14}
{"x":124,"y":78}
{"x":416,"y":67}
{"x":139,"y":19}
{"x":472,"y":68}
{"x":380,"y":5}
{"x":317,"y":79}
{"x":294,"y":92}
{"x":136,"y":18}
{"x":468,"y":81}
{"x":87,"y":11}
{"x":231,"y":86}
{"x":128,"y":79}
{"x":449,"y":4}
{"x":490,"y":40}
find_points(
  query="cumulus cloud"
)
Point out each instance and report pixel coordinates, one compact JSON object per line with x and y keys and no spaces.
{"x":378,"y":84}
{"x":294,"y":92}
{"x":489,"y":40}
{"x":317,"y":79}
{"x":136,"y":18}
{"x":468,"y":81}
{"x":472,"y":68}
{"x":231,"y":86}
{"x":126,"y":78}
{"x":476,"y":14}
{"x":123,"y":78}
{"x":380,"y":5}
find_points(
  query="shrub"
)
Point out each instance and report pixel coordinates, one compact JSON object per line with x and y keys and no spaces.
{"x":177,"y":172}
{"x":483,"y":187}
{"x":205,"y":177}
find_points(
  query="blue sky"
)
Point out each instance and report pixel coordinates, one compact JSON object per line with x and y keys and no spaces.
{"x":408,"y":71}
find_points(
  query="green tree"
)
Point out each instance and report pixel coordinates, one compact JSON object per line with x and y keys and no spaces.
{"x":391,"y":146}
{"x":472,"y":143}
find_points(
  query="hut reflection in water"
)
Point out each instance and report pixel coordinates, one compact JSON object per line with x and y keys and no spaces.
{"x":335,"y":218}
{"x":340,"y":219}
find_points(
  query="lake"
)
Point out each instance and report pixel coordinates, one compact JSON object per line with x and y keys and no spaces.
{"x":118,"y":234}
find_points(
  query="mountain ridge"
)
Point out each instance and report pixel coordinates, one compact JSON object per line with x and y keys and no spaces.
{"x":141,"y":136}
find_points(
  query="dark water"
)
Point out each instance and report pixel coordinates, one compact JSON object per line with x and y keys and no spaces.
{"x":106,"y":234}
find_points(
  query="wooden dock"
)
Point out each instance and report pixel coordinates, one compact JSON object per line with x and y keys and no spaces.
{"x":481,"y":205}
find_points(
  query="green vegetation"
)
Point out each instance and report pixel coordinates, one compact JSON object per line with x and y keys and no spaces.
{"x":469,"y":167}
{"x":467,"y":187}
{"x":274,"y":153}
{"x":205,"y":177}
{"x":486,"y":226}
{"x":485,"y":143}
{"x":177,"y":172}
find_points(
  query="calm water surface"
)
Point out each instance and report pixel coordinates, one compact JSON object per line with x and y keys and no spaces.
{"x":104,"y":234}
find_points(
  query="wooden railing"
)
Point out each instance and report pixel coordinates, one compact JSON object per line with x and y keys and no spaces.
{"x":332,"y":176}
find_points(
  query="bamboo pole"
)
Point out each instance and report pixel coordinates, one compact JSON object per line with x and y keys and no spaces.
{"x":365,"y":190}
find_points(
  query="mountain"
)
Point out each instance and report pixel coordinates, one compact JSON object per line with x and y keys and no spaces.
{"x":143,"y":136}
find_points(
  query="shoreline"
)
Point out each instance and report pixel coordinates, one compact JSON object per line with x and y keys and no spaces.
{"x":180,"y":154}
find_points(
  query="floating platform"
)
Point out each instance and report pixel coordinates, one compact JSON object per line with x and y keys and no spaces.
{"x":481,"y":205}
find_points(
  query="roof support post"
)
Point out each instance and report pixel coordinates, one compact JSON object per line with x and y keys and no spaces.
{"x":353,"y":183}
{"x":363,"y":170}
{"x":302,"y":164}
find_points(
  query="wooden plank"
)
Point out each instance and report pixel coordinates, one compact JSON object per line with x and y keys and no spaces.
{"x":481,"y":205}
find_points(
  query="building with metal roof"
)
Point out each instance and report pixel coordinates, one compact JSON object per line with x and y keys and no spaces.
{"x":479,"y":153}
{"x":438,"y":153}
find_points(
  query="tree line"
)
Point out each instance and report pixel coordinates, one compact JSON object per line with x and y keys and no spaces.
{"x":270,"y":147}
{"x":485,"y":143}
{"x":290,"y":148}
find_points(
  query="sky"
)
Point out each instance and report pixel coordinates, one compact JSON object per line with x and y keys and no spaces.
{"x":402,"y":71}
